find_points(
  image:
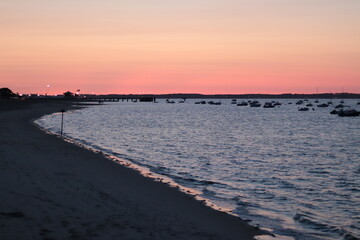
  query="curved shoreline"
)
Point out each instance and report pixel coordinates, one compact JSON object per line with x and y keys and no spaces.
{"x":55,"y":189}
{"x":144,"y":171}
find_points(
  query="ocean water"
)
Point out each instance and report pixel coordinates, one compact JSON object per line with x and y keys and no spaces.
{"x":297,"y":173}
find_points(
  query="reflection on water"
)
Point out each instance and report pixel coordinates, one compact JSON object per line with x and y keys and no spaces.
{"x":297,"y":173}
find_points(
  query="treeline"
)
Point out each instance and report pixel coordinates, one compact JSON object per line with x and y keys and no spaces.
{"x":244,"y":96}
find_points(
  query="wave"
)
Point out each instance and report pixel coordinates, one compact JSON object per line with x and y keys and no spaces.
{"x":310,"y":222}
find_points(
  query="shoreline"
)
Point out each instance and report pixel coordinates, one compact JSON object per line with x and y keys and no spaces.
{"x":57,"y":190}
{"x":144,"y":171}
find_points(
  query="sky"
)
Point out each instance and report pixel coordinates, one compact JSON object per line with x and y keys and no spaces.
{"x":187,"y":46}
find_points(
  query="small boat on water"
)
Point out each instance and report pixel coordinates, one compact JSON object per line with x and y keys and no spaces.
{"x":234,"y":101}
{"x":341,"y":106}
{"x":243,"y":103}
{"x":269,"y":105}
{"x":334,"y":111}
{"x":303,"y":109}
{"x":299,"y":102}
{"x":214,"y":103}
{"x":323,"y":105}
{"x":255,"y":104}
{"x":349,"y":113}
{"x":169,"y":101}
{"x":201,"y":102}
{"x":183,"y":100}
{"x":309,"y":105}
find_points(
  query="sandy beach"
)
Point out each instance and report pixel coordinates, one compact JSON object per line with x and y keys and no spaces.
{"x":52,"y":189}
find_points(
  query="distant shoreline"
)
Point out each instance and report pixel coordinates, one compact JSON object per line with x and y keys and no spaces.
{"x":35,"y":97}
{"x":281,"y":96}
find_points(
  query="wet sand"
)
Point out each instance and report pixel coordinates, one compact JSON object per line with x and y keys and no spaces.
{"x":52,"y":189}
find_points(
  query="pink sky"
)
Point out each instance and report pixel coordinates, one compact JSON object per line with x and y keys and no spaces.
{"x":159,"y":46}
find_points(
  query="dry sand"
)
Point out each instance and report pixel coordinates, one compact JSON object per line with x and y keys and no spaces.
{"x":52,"y":189}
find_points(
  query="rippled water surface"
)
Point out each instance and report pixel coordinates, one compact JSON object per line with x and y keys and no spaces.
{"x":297,"y":173}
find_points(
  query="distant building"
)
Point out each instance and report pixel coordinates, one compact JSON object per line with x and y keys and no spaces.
{"x":68,"y":94}
{"x":147,"y":99}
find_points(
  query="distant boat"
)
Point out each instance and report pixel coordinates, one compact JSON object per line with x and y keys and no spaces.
{"x":309,"y":105}
{"x":277,"y":104}
{"x":243,"y":103}
{"x":214,"y":103}
{"x":340,"y":106}
{"x":234,"y":101}
{"x":349,"y":113}
{"x":255,"y":104}
{"x":303,"y":109}
{"x":169,"y":101}
{"x":334,"y":111}
{"x":323,"y":105}
{"x":299,"y":102}
{"x":269,"y":105}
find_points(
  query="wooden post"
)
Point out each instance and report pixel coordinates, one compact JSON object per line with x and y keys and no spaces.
{"x":62,"y":121}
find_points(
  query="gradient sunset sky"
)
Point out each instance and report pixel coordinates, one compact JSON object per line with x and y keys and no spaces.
{"x":187,"y":46}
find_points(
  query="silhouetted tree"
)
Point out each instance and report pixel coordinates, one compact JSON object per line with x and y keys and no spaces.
{"x":6,"y":93}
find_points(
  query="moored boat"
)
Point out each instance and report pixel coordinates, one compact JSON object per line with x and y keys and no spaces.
{"x":268,"y":105}
{"x":255,"y":104}
{"x":323,"y":105}
{"x":243,"y":103}
{"x":349,"y":113}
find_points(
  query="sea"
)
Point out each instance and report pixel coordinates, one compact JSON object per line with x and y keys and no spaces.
{"x":295,"y":173}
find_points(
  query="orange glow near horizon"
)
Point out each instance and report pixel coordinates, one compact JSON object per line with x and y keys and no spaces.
{"x":208,"y":47}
